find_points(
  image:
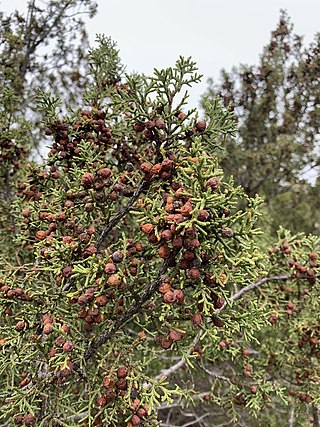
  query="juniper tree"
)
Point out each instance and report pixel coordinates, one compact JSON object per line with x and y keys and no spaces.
{"x":133,"y":281}
{"x":45,"y":48}
{"x":276,"y":105}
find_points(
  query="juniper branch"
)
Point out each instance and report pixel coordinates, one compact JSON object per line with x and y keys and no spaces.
{"x":122,"y":212}
{"x":106,"y":335}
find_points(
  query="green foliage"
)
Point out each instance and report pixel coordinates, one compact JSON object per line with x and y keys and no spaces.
{"x":106,"y":70}
{"x":135,"y":282}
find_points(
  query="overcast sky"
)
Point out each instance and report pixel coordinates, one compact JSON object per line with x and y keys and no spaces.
{"x":216,"y":33}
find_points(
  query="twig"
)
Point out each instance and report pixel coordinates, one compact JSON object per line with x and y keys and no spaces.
{"x":214,"y":374}
{"x":291,"y":419}
{"x":109,"y":226}
{"x":132,"y":311}
{"x":190,"y":423}
{"x":248,"y":288}
{"x":29,"y":23}
{"x":315,"y":414}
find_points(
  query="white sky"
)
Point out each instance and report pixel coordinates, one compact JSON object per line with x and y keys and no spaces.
{"x":216,"y":33}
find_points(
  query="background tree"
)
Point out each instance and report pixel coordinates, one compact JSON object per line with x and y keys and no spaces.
{"x":276,"y":105}
{"x":45,"y":49}
{"x":137,"y":285}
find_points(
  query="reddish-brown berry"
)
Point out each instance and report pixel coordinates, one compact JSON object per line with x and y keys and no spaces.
{"x":52,"y":352}
{"x":29,"y":420}
{"x":101,"y":301}
{"x":166,"y":342}
{"x":41,"y":235}
{"x":122,"y":372}
{"x":186,"y":209}
{"x":147,"y":228}
{"x":114,"y":280}
{"x":164,"y":252}
{"x":194,"y":274}
{"x":203,"y":215}
{"x":121,"y":384}
{"x":169,"y":297}
{"x":201,"y":126}
{"x":175,"y":335}
{"x":65,"y":328}
{"x":156,"y":169}
{"x":141,"y":412}
{"x":26,"y":212}
{"x":313,"y":256}
{"x":110,"y":268}
{"x":166,"y":235}
{"x":177,"y":242}
{"x":60,"y":341}
{"x":181,"y":116}
{"x":48,"y":328}
{"x":179,"y":294}
{"x":87,"y":179}
{"x":146,"y":167}
{"x":167,"y":165}
{"x":197,"y":319}
{"x":138,"y":127}
{"x":273,"y":318}
{"x":68,"y":347}
{"x":18,"y":420}
{"x":61,"y":216}
{"x":213,"y":183}
{"x":101,"y":401}
{"x":253,"y":389}
{"x":160,"y":124}
{"x":104,"y":173}
{"x":108,"y":382}
{"x":218,"y":323}
{"x":219,"y":303}
{"x":135,"y":420}
{"x":20,"y":325}
{"x":67,"y":271}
